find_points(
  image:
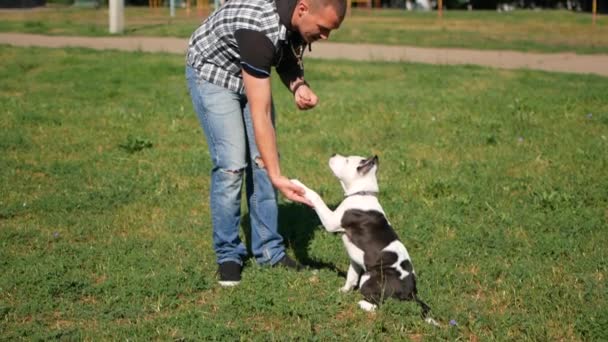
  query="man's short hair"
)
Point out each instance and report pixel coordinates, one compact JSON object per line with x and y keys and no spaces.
{"x":339,"y":5}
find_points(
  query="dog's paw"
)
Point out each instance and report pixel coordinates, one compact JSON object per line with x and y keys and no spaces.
{"x":367,"y":306}
{"x":432,"y":322}
{"x":298,"y":183}
{"x":308,"y":193}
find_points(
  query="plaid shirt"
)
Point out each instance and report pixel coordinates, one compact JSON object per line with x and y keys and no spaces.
{"x":213,"y":49}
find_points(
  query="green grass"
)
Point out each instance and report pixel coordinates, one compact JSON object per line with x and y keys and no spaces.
{"x":544,"y":31}
{"x":495,"y":180}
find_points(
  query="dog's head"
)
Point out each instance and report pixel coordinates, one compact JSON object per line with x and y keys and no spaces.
{"x":355,"y":173}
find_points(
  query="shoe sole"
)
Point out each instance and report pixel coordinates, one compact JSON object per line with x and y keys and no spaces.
{"x":229,"y":283}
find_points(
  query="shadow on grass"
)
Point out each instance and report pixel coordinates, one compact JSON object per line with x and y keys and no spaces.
{"x":297,"y":225}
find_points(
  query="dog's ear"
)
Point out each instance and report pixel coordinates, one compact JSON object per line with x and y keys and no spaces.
{"x":367,"y":165}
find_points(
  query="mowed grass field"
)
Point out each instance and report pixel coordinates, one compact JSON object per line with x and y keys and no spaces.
{"x":495,"y":181}
{"x":523,"y":30}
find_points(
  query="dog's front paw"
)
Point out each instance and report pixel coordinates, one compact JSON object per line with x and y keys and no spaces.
{"x":300,"y":184}
{"x":308,"y":193}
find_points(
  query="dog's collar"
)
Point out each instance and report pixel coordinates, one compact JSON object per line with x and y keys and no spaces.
{"x":363,"y":193}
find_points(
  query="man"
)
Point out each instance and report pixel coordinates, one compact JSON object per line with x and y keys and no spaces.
{"x":228,"y":71}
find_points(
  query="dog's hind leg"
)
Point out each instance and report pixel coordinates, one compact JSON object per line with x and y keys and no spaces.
{"x":372,"y":292}
{"x":367,"y":306}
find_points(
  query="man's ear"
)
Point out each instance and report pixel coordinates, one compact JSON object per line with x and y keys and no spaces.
{"x":302,"y":7}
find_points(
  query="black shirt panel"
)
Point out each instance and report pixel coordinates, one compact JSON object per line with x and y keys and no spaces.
{"x":256,"y":50}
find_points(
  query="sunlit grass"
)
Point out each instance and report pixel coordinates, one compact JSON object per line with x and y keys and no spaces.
{"x":495,"y":180}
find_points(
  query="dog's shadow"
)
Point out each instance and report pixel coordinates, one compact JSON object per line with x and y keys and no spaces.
{"x":297,"y":225}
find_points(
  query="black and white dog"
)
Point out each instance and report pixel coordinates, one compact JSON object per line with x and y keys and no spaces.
{"x":380,"y":264}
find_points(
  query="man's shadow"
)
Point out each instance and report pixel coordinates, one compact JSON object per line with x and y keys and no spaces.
{"x":297,"y":225}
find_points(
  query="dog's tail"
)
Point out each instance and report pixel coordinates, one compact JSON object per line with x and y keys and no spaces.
{"x":425,"y":309}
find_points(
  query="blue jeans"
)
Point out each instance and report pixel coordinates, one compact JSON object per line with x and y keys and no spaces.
{"x":226,"y":121}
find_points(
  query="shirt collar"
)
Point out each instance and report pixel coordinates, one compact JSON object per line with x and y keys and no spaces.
{"x":285,"y":9}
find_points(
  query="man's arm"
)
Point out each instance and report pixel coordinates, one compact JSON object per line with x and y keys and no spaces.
{"x":291,"y":72}
{"x":258,"y":91}
{"x":289,"y":69}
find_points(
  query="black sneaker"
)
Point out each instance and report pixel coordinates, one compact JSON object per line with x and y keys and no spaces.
{"x":230,"y":273}
{"x":289,"y":263}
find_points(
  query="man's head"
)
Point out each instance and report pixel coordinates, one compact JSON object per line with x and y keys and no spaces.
{"x":315,"y":19}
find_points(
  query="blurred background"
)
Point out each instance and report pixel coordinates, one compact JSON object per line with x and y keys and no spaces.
{"x":499,"y":5}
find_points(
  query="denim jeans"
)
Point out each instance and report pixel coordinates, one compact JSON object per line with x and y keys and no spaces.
{"x":226,"y":121}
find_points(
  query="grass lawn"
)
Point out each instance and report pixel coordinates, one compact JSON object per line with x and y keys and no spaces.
{"x":544,"y":31}
{"x":495,"y":180}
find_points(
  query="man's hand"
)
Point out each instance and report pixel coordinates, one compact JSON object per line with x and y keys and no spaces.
{"x":309,"y":194}
{"x":305,"y":98}
{"x":290,"y":190}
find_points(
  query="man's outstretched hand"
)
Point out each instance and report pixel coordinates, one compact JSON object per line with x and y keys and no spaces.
{"x":290,"y":190}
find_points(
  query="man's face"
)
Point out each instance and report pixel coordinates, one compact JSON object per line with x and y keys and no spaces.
{"x":316,"y":23}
